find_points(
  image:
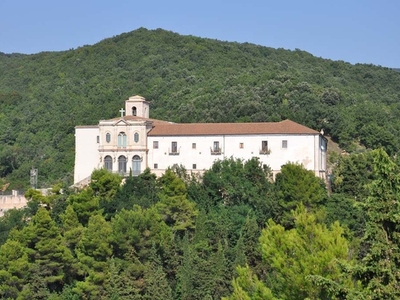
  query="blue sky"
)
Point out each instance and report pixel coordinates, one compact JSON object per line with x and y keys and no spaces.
{"x":355,"y":31}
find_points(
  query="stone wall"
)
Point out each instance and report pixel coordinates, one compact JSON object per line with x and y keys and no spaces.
{"x":15,"y":200}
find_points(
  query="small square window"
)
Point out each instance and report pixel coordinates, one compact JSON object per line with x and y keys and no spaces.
{"x":155,"y":144}
{"x":155,"y":166}
{"x":284,"y":144}
{"x":241,"y":145}
{"x":193,"y":145}
{"x":194,"y":167}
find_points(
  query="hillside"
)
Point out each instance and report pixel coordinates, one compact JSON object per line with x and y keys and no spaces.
{"x":187,"y":79}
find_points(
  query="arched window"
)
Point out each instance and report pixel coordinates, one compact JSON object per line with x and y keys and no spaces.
{"x":108,"y":137}
{"x":136,"y":162}
{"x":136,"y":137}
{"x":122,"y":140}
{"x":108,"y":163}
{"x":122,"y":164}
{"x":134,"y":111}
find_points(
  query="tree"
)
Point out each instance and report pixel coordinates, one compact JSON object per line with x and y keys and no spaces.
{"x":155,"y":278}
{"x":137,"y":190}
{"x":176,"y":210}
{"x":344,"y":209}
{"x":137,"y":230}
{"x":296,"y":185}
{"x":52,"y":256}
{"x":49,"y":258}
{"x":13,"y":218}
{"x":14,"y":262}
{"x":351,"y":174}
{"x":246,"y":286}
{"x":233,"y":182}
{"x":71,"y":227}
{"x":93,"y":251}
{"x":105,"y":184}
{"x":84,"y":204}
{"x":310,"y":248}
{"x":379,"y":268}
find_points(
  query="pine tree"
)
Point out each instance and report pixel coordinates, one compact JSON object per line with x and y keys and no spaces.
{"x":52,"y":257}
{"x":247,"y":287}
{"x":155,"y":279}
{"x":379,"y":269}
{"x":14,"y":262}
{"x":310,"y":248}
{"x":177,"y":211}
{"x":93,"y":252}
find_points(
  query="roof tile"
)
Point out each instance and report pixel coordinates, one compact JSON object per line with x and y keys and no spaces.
{"x":179,"y":129}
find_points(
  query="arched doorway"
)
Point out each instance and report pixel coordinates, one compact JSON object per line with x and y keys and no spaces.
{"x":136,"y":165}
{"x":122,"y":164}
{"x":108,"y":163}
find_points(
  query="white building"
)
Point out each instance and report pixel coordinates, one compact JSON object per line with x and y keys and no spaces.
{"x":134,"y":142}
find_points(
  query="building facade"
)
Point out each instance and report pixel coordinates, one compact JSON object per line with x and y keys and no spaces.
{"x":133,"y":142}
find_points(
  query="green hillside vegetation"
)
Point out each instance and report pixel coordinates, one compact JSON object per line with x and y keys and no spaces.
{"x":232,"y":234}
{"x":187,"y":79}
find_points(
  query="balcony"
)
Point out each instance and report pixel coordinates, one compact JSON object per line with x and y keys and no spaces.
{"x":173,"y":152}
{"x":216,"y":151}
{"x":265,"y":151}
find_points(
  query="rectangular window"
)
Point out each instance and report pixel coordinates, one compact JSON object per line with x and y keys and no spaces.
{"x":155,"y":166}
{"x":216,"y":150}
{"x":98,"y":139}
{"x":193,"y":145}
{"x":264,"y":147}
{"x":216,"y":147}
{"x":155,"y":144}
{"x":194,"y":167}
{"x":174,"y":147}
{"x":284,"y":144}
{"x":241,"y":145}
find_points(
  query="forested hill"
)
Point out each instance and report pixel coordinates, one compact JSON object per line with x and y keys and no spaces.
{"x":187,"y":79}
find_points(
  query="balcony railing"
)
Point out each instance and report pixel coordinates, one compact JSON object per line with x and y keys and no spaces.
{"x":216,"y":151}
{"x":173,"y":152}
{"x":265,"y":151}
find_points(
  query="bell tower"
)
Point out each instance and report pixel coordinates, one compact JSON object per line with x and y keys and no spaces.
{"x":137,"y":106}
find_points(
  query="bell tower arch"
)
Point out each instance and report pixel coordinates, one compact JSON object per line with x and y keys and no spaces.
{"x":137,"y":106}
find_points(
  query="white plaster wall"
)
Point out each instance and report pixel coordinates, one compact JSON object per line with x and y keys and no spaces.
{"x":303,"y":149}
{"x":299,"y":146}
{"x":87,"y":156}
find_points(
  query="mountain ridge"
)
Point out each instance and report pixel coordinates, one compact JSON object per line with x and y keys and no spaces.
{"x":187,"y":79}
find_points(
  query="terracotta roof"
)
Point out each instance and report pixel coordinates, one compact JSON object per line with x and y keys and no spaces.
{"x":283,"y":127}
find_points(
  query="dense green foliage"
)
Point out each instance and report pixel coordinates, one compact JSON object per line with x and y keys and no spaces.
{"x":232,"y":232}
{"x":222,"y":235}
{"x":187,"y":79}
